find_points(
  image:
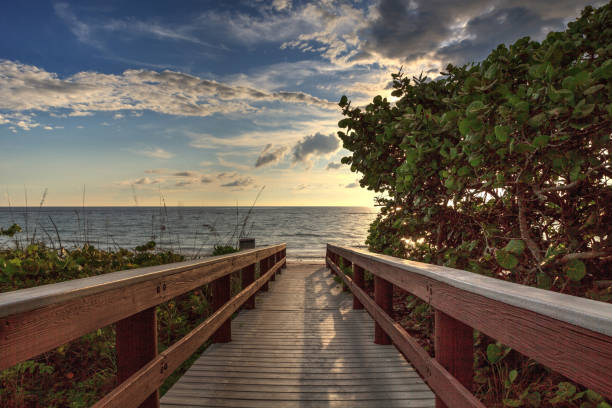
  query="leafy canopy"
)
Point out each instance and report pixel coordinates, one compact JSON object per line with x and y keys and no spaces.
{"x":500,"y":167}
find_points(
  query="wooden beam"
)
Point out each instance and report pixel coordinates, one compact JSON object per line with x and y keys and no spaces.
{"x":136,"y":345}
{"x":442,"y":383}
{"x":358,"y":278}
{"x":534,"y":322}
{"x":383,"y":296}
{"x":454,"y":350}
{"x":221,"y":295}
{"x":71,"y":309}
{"x":248,"y":277}
{"x":133,"y":391}
{"x":23,"y":300}
{"x":347,"y":264}
{"x":264,"y":266}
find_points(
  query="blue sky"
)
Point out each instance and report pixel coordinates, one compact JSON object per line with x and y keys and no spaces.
{"x":206,"y":102}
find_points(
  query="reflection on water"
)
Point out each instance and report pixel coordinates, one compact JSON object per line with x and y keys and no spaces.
{"x":190,"y":230}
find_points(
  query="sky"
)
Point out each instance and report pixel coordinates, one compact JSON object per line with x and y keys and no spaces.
{"x":207,"y":102}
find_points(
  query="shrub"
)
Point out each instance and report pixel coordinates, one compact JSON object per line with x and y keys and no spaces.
{"x":500,"y":167}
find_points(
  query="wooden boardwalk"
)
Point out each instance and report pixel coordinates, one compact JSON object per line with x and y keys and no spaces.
{"x":302,"y":346}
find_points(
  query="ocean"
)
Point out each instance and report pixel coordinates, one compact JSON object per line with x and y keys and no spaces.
{"x":193,"y":231}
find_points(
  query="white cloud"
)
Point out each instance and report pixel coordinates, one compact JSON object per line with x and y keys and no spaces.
{"x":281,"y":4}
{"x":24,"y":121}
{"x":118,"y":116}
{"x":27,"y":87}
{"x":80,"y":113}
{"x":156,"y":153}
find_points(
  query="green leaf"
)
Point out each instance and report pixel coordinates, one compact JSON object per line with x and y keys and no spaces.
{"x":537,"y":120}
{"x":343,"y":101}
{"x":595,"y":88}
{"x":491,"y":72}
{"x":537,"y":71}
{"x":582,"y":111}
{"x":515,"y":246}
{"x":464,"y":126}
{"x":475,"y":107}
{"x":540,"y":141}
{"x":565,"y":391}
{"x":493,"y":353}
{"x":604,"y":71}
{"x":512,"y":375}
{"x":464,"y":171}
{"x":505,"y":259}
{"x":475,"y":161}
{"x":501,"y":133}
{"x":575,"y":270}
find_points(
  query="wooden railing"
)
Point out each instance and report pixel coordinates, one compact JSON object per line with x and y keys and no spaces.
{"x":570,"y":335}
{"x":36,"y":320}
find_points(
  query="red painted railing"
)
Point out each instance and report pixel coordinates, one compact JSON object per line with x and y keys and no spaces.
{"x":570,"y":335}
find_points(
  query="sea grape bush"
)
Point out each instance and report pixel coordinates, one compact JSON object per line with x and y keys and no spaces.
{"x":502,"y":168}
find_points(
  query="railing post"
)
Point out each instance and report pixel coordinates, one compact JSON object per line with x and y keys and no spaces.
{"x":383,"y":295}
{"x":248,"y":273}
{"x":454,"y":349}
{"x":136,"y":344}
{"x":334,"y":259}
{"x":284,"y":255}
{"x":358,"y":279}
{"x":263,"y":268}
{"x":349,"y":264}
{"x":221,"y":295}
{"x":273,"y":259}
{"x":248,"y":277}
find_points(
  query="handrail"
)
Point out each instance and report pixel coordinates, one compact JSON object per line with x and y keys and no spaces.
{"x":36,"y":320}
{"x":570,"y":335}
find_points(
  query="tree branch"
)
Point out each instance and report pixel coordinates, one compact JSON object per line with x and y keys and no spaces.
{"x":533,"y":247}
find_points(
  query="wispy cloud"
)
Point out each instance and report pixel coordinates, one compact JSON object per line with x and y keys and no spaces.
{"x":81,"y":30}
{"x":146,"y":181}
{"x":240,"y":182}
{"x":270,"y":155}
{"x":156,"y":153}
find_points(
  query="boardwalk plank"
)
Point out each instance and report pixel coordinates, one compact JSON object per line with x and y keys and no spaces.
{"x":302,"y":346}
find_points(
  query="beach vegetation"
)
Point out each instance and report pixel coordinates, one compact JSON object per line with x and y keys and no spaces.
{"x":501,"y":168}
